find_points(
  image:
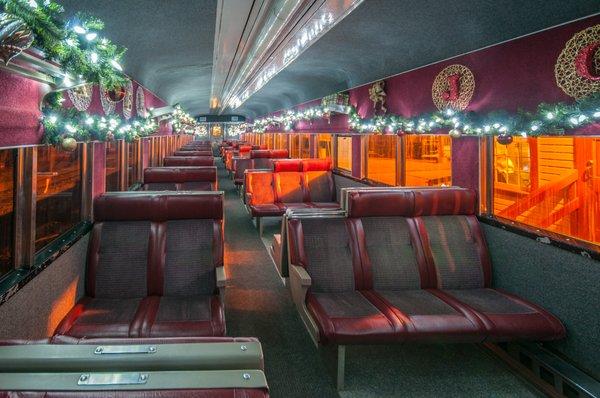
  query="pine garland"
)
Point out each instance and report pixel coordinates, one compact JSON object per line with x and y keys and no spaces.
{"x":549,"y":119}
{"x":75,"y":45}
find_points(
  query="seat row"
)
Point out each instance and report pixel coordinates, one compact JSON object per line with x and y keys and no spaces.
{"x":186,"y":178}
{"x":154,"y":267}
{"x":404,"y":266}
{"x":261,"y":159}
{"x":292,"y":184}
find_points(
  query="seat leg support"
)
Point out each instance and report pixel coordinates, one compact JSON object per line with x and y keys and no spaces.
{"x":341,"y":366}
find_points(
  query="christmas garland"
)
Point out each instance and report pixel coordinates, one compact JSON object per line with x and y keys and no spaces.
{"x":75,"y":45}
{"x":549,"y":119}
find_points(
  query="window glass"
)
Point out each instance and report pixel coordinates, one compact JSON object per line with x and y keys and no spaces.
{"x":552,"y":183}
{"x":7,"y":196}
{"x":324,"y":146}
{"x":133,"y":157}
{"x":281,"y":141}
{"x":381,"y":158}
{"x":112,"y":166}
{"x":344,"y":153}
{"x":428,"y":160}
{"x":58,"y":205}
{"x":294,"y":145}
{"x":305,"y":146}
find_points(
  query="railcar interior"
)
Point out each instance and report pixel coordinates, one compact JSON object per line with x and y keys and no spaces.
{"x":299,"y":198}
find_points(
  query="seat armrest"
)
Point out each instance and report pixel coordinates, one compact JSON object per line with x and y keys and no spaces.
{"x":248,"y":196}
{"x":222,"y":280}
{"x":299,"y":283}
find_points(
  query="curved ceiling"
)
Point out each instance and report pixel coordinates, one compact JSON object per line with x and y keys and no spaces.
{"x":171,"y":43}
{"x":385,"y":37}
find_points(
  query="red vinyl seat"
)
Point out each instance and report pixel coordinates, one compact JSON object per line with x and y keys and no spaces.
{"x":293,"y":184}
{"x":153,"y":262}
{"x":171,"y":161}
{"x":406,"y":265}
{"x":202,"y":178}
{"x":192,"y":152}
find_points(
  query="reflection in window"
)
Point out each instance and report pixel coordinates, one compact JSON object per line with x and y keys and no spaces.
{"x":428,"y":160}
{"x":58,"y":205}
{"x":381,"y":158}
{"x":344,"y":153}
{"x":294,"y":145}
{"x":305,"y":146}
{"x":281,"y":141}
{"x":7,"y":186}
{"x":324,"y":146}
{"x":112,"y":166}
{"x":133,"y":157}
{"x":551,"y":183}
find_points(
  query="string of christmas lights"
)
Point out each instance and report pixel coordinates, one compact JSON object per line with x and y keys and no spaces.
{"x":549,"y":119}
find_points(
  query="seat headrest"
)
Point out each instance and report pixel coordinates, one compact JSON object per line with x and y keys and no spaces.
{"x":269,"y":153}
{"x":192,"y":153}
{"x":316,"y":164}
{"x":445,"y":201}
{"x":412,"y":202}
{"x":260,"y":153}
{"x":189,"y":161}
{"x":384,"y":203}
{"x":158,"y":206}
{"x":245,"y":148}
{"x":287,"y":165}
{"x":180,"y":174}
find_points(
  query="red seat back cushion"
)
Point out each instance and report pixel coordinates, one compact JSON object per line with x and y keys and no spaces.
{"x":289,"y":187}
{"x":287,"y":165}
{"x":260,"y":185}
{"x":320,"y":186}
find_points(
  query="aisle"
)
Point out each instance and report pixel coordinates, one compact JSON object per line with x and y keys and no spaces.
{"x":258,"y":305}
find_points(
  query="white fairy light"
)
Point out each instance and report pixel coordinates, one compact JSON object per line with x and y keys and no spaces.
{"x":91,"y":36}
{"x":94,"y":57}
{"x":70,"y":128}
{"x":550,"y":116}
{"x":89,"y":121}
{"x":79,"y":30}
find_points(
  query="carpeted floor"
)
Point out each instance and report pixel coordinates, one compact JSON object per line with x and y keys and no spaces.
{"x":258,"y":305}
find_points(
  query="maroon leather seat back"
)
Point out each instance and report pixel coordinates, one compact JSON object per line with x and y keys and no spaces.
{"x":141,"y":244}
{"x":189,"y":161}
{"x":185,"y":152}
{"x":202,"y":178}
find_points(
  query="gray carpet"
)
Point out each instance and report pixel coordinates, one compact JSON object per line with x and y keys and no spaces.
{"x":257,"y":304}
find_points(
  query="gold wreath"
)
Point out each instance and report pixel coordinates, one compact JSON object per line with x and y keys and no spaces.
{"x":567,"y":77}
{"x":440,"y":86}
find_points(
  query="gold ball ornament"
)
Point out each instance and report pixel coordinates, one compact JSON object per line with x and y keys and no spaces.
{"x":454,"y":133}
{"x":68,"y":144}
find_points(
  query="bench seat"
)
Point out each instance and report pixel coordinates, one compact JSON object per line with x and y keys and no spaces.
{"x":154,"y":269}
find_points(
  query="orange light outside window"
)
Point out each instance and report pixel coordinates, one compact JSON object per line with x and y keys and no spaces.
{"x":294,"y":145}
{"x":7,"y":191}
{"x":344,"y":153}
{"x":58,"y":205}
{"x":324,"y":146}
{"x":305,"y":146}
{"x":428,"y":160}
{"x":551,"y":183}
{"x":381,"y":158}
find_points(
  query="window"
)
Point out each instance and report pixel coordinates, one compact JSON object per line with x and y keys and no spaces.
{"x":112,"y":166}
{"x":324,"y":146}
{"x":58,"y":203}
{"x":428,"y":160}
{"x":551,"y":183}
{"x":294,"y":145}
{"x":281,"y":141}
{"x":133,"y":160}
{"x":7,"y":197}
{"x":344,"y":153}
{"x":381,"y":158}
{"x":269,"y":141}
{"x":304,"y":146}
